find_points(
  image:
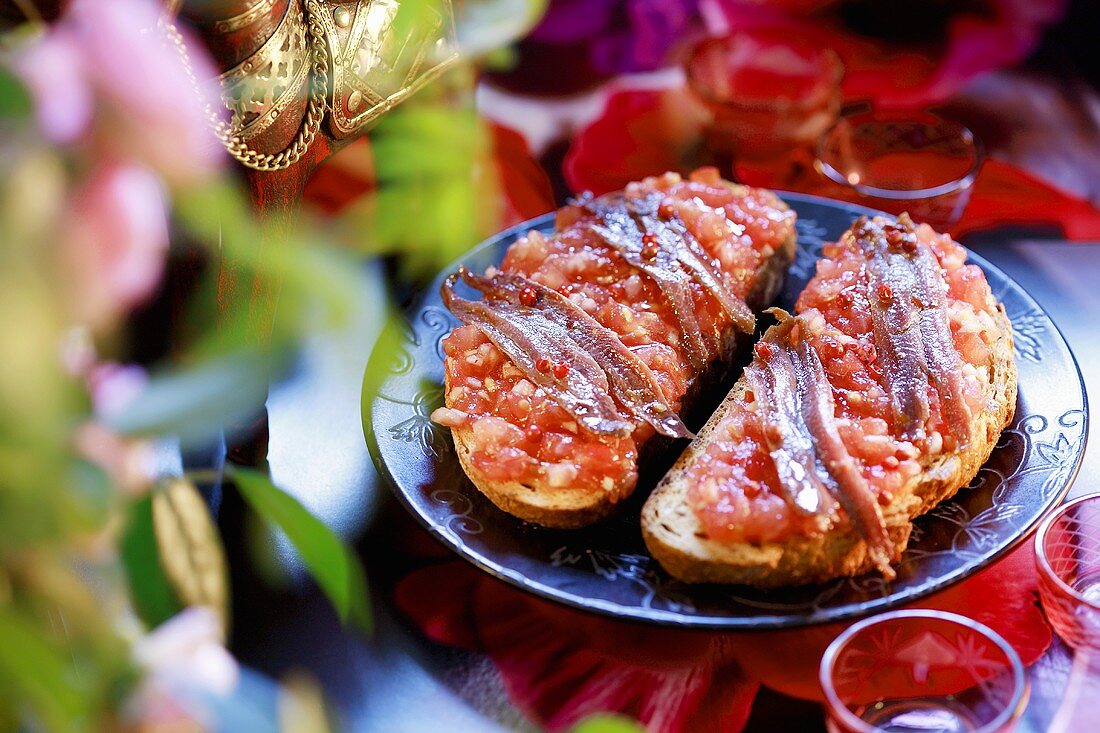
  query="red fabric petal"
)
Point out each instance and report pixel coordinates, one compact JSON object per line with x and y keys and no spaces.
{"x":524,"y":185}
{"x":559,"y":665}
{"x":343,"y":178}
{"x":1003,"y":596}
{"x":1015,"y":613}
{"x":1005,"y":194}
{"x":644,"y":132}
{"x":439,"y":599}
{"x":641,"y":132}
{"x":893,"y":74}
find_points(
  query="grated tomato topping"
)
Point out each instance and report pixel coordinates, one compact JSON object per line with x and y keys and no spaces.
{"x":520,"y":432}
{"x":733,"y":485}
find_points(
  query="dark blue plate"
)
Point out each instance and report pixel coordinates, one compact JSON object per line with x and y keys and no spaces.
{"x":607,"y":570}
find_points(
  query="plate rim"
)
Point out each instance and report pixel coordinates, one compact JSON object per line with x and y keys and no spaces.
{"x":649,"y":616}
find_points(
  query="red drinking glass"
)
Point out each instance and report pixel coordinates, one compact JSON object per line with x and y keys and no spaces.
{"x":770,"y":96}
{"x":1067,"y":556}
{"x":922,"y":670}
{"x":915,"y":162}
{"x":1067,"y":553}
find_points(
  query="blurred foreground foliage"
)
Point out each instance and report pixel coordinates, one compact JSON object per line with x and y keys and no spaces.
{"x":607,"y":723}
{"x":114,"y":597}
{"x":437,"y":188}
{"x":97,"y":550}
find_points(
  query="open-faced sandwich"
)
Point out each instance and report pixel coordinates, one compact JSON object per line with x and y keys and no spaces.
{"x":586,"y":344}
{"x":879,"y":399}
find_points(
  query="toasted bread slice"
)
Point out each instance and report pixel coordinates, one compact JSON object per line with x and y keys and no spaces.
{"x":676,"y":538}
{"x":568,"y":508}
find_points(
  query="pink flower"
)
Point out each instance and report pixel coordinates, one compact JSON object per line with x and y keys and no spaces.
{"x":52,"y":69}
{"x":129,"y":463}
{"x":114,"y":242}
{"x":114,"y":386}
{"x":186,"y":650}
{"x":619,"y":36}
{"x":185,"y":665}
{"x":153,"y":110}
{"x":105,"y":69}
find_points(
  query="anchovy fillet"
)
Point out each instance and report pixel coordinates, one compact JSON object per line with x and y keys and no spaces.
{"x":674,"y":234}
{"x":623,"y":233}
{"x":911,"y":328}
{"x":632,"y":383}
{"x":525,"y":335}
{"x":677,"y":259}
{"x":800,"y":431}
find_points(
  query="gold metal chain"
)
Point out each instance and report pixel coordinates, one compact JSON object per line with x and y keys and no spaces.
{"x":315,"y":111}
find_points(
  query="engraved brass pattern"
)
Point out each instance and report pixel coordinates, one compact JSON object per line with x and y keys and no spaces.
{"x":243,"y":19}
{"x":372,"y":68}
{"x":260,"y":88}
{"x":371,"y":71}
{"x":315,"y":111}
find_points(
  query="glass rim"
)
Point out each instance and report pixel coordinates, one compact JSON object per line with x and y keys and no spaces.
{"x":1043,"y":562}
{"x":901,"y":194}
{"x":837,"y":708}
{"x":834,"y":74}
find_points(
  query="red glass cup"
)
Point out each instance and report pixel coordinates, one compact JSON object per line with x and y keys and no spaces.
{"x":770,"y":96}
{"x":914,"y":162}
{"x":922,"y":670}
{"x":1067,"y":554}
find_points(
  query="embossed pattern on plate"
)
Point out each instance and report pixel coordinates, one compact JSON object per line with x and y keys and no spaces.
{"x":606,"y":569}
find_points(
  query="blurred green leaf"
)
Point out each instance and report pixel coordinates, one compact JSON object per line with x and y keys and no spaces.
{"x":216,"y":212}
{"x":418,"y":140}
{"x":311,"y":286}
{"x":152,"y":594}
{"x":31,"y":502}
{"x":311,"y":278}
{"x":436,"y":189}
{"x":331,"y":563}
{"x":190,"y":548}
{"x":15,"y":100}
{"x":92,"y":492}
{"x":41,"y":674}
{"x":417,"y":22}
{"x":257,"y":541}
{"x":194,"y":403}
{"x":500,"y":60}
{"x":607,"y":723}
{"x":488,"y":25}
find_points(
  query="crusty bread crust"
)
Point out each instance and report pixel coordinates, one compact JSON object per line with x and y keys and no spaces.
{"x":676,"y":539}
{"x":569,"y":508}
